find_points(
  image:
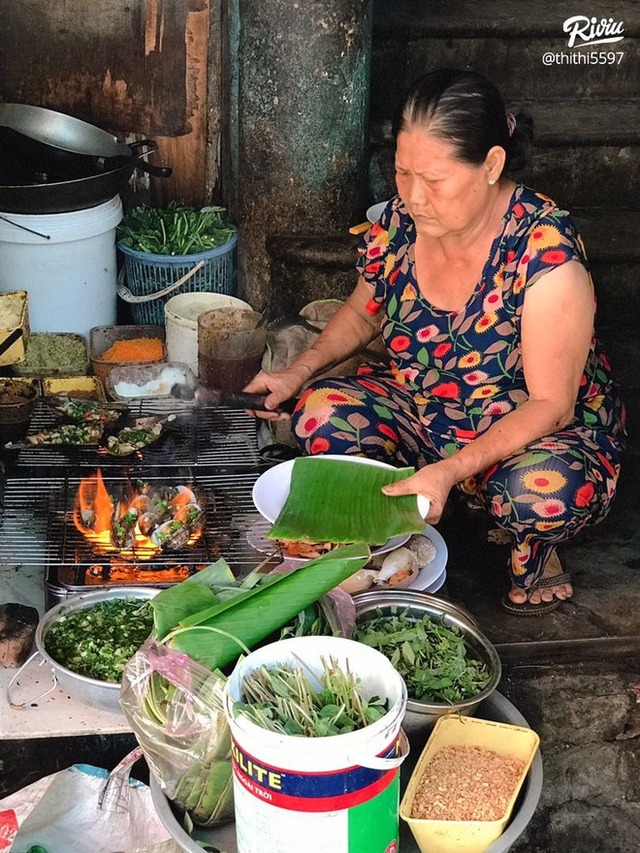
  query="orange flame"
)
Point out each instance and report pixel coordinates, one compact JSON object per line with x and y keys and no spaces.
{"x":95,"y":510}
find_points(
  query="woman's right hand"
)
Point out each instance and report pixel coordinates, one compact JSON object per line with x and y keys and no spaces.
{"x":279,"y":386}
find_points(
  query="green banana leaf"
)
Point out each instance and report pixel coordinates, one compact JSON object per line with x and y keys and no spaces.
{"x":334,"y":500}
{"x":217,"y":636}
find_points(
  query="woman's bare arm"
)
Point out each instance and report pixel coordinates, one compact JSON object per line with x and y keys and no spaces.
{"x":350,"y":329}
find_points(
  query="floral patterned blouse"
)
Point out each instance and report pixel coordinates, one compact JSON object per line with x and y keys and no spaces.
{"x":464,"y":368}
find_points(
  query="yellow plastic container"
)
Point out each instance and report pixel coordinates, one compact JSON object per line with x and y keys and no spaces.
{"x":450,"y":836}
{"x":86,"y":387}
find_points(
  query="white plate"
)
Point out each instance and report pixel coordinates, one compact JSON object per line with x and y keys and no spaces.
{"x":438,"y":582}
{"x":271,"y":489}
{"x":430,"y":573}
{"x":257,"y":538}
{"x":375,"y":211}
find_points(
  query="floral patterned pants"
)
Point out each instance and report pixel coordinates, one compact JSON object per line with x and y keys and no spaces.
{"x":542,"y":496}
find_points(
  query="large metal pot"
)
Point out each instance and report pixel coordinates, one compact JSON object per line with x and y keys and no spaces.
{"x":97,"y":694}
{"x":56,"y":142}
{"x":421,"y":716}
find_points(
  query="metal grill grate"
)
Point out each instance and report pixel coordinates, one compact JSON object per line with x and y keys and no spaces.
{"x":38,"y":529}
{"x":218,"y":437}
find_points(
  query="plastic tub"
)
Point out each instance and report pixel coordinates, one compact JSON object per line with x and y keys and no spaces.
{"x":133,"y":381}
{"x":451,"y":836}
{"x":68,"y":266}
{"x":103,"y":337}
{"x":85,"y":387}
{"x":338,"y":792}
{"x":78,"y":367}
{"x":181,"y":323}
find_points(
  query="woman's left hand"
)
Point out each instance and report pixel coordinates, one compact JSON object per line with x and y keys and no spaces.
{"x":434,"y":481}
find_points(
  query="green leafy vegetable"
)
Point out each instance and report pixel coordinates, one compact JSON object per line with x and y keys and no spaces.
{"x":175,"y":230}
{"x":97,"y":641}
{"x":282,"y":699}
{"x":433,"y":658}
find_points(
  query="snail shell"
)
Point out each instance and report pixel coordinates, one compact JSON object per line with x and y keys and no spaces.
{"x":399,"y":569}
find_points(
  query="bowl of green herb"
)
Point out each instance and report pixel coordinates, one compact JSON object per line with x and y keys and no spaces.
{"x":447,"y":663}
{"x":88,"y":639}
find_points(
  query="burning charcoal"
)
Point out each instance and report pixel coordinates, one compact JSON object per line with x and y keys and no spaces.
{"x":17,"y":630}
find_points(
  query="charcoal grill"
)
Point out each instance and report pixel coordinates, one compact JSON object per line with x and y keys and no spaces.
{"x":214,"y":452}
{"x":217,"y":437}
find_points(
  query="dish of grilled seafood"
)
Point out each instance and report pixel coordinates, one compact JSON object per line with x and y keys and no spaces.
{"x":86,"y":411}
{"x":67,"y":434}
{"x":142,"y":433}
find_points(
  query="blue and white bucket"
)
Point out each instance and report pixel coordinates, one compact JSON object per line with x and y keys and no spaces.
{"x":336,"y":794}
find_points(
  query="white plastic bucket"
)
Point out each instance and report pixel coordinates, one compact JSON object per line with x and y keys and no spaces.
{"x":181,"y":323}
{"x":335,"y":794}
{"x":68,"y":267}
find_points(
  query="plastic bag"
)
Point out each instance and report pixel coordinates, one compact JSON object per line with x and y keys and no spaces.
{"x":174,"y":706}
{"x":84,"y":809}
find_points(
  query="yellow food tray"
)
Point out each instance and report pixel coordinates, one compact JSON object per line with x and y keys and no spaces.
{"x":451,"y":836}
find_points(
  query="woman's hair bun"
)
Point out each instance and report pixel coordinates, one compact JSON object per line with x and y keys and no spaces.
{"x":467,"y":110}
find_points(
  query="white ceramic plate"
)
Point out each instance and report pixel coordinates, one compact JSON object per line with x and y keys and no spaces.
{"x":437,"y":583}
{"x":375,"y":211}
{"x":271,"y":489}
{"x":432,"y":572}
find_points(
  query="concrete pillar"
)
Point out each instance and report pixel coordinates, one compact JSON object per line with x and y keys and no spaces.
{"x":299,"y":112}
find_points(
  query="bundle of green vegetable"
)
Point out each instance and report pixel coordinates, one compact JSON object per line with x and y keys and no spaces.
{"x":175,"y":229}
{"x":172,"y":687}
{"x":433,"y":658}
{"x":282,"y":699}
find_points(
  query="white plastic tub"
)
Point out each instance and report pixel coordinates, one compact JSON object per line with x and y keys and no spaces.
{"x":181,"y":323}
{"x":68,"y":266}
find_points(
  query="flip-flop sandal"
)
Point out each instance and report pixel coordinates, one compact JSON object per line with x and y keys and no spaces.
{"x":529,"y":609}
{"x":554,"y":580}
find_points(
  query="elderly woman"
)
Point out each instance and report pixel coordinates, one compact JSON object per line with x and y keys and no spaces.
{"x":496,"y":385}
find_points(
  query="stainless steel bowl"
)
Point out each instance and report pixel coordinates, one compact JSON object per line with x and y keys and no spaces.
{"x":421,"y":716}
{"x":98,"y":694}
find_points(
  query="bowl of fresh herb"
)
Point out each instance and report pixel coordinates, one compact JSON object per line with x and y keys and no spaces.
{"x":87,"y":640}
{"x":448,"y":664}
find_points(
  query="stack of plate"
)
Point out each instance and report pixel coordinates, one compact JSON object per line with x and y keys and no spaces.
{"x":272,"y":489}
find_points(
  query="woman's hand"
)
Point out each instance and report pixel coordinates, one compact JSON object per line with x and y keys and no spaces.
{"x":278,"y":386}
{"x":434,"y":481}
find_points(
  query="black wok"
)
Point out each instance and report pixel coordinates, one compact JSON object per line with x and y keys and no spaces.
{"x":23,"y":191}
{"x":58,"y":143}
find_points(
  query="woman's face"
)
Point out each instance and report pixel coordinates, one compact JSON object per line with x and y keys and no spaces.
{"x":443,"y":195}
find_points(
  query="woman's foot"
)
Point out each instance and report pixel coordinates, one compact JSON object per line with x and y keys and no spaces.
{"x":546,"y":591}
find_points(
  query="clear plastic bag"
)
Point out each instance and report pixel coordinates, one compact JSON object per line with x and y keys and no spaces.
{"x":174,"y":706}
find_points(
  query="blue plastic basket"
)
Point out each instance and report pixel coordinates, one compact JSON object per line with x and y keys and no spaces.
{"x":152,"y":279}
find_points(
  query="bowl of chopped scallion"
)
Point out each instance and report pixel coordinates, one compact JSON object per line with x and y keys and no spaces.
{"x":447,"y":663}
{"x":88,"y":639}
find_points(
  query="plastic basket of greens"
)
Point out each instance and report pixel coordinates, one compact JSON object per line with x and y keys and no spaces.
{"x":175,"y":249}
